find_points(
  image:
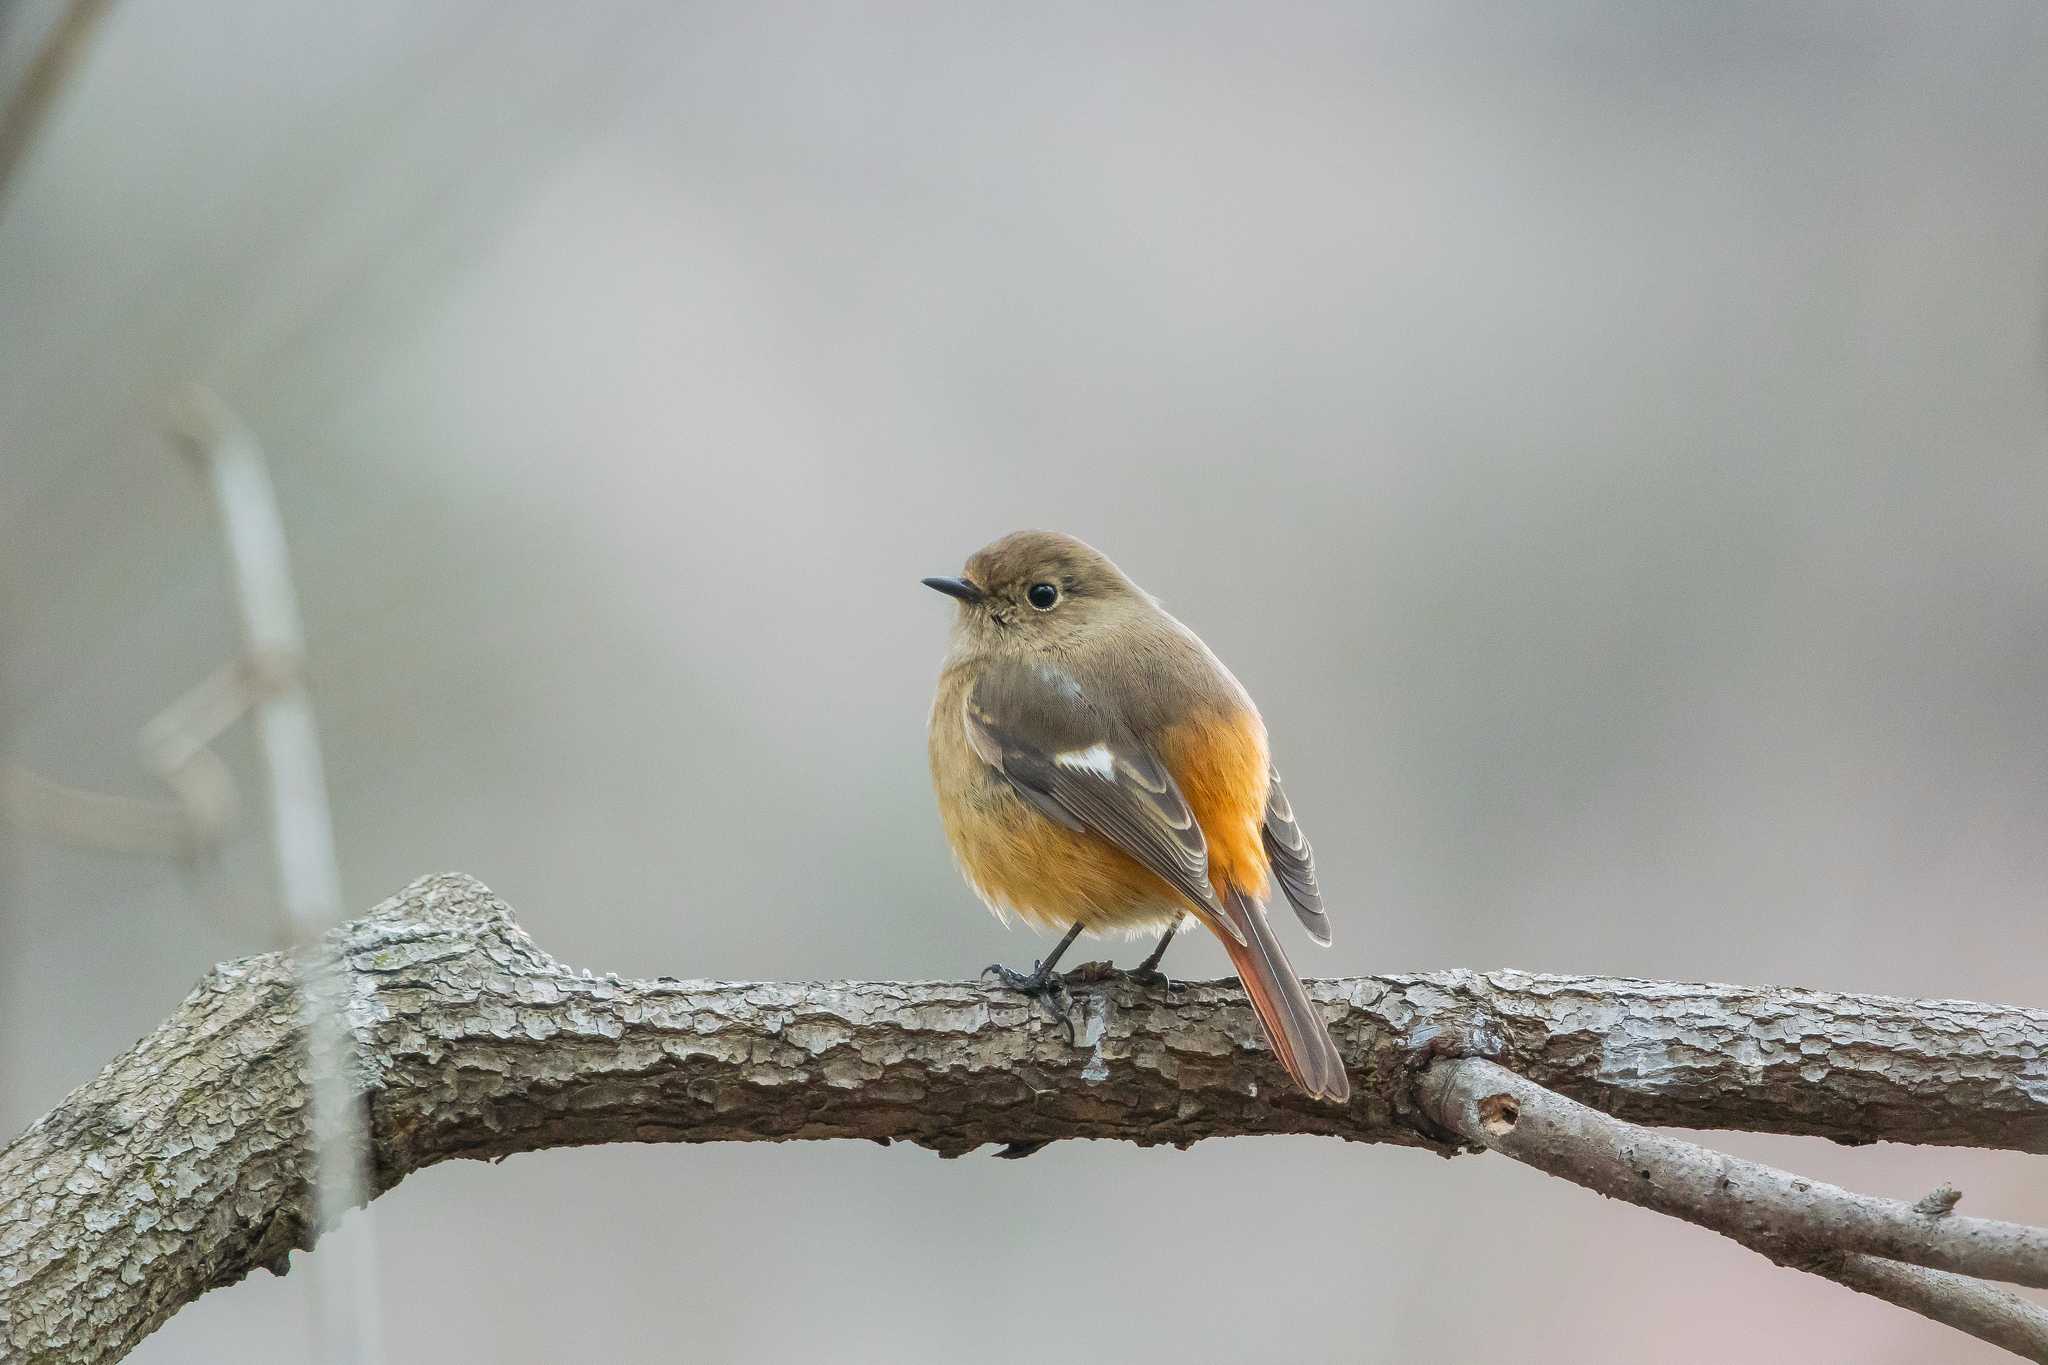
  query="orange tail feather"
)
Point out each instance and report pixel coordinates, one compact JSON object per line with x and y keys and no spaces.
{"x":1299,"y":1037}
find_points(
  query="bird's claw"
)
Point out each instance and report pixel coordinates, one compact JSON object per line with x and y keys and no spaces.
{"x":1047,"y":988}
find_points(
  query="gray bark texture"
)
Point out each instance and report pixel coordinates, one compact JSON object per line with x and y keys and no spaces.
{"x":183,"y":1164}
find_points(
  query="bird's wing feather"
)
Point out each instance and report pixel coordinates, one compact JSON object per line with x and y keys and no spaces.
{"x":1294,"y":863}
{"x":1081,"y":767}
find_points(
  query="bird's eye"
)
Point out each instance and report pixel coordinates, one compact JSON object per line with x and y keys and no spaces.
{"x":1043,"y":595}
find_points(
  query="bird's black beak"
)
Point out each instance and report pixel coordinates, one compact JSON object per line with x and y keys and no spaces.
{"x":955,"y":587}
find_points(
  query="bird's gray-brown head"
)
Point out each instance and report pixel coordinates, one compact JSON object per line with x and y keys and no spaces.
{"x":1037,"y":590}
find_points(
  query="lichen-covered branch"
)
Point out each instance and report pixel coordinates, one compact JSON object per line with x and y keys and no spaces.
{"x":1851,"y":1238}
{"x":182,"y":1165}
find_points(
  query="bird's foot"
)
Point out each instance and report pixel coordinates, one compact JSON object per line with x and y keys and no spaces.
{"x":1147,"y":974}
{"x":1042,"y":984}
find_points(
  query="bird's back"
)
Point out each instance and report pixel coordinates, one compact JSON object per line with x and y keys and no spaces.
{"x":1178,"y":697}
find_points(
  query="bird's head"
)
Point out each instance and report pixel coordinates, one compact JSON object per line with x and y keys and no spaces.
{"x":1037,"y":590}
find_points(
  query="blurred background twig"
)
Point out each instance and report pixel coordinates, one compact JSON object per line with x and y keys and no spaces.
{"x":26,"y":101}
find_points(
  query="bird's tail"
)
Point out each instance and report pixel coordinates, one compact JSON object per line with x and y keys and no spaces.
{"x":1299,"y":1037}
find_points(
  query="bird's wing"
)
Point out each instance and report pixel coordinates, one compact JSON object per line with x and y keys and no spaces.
{"x":1294,"y":863}
{"x":1080,"y":766}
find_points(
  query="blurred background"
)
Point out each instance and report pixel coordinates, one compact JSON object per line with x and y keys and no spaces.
{"x":1607,"y":438}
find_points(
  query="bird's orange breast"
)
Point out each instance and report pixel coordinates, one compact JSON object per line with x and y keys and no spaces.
{"x":1021,"y":861}
{"x":1052,"y":876}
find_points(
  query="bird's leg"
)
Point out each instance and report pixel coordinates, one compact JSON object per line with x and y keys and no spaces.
{"x":1147,"y":973}
{"x":1041,"y":983}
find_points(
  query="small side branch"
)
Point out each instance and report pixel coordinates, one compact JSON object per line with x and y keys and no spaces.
{"x":1984,"y":1311}
{"x":1919,"y":1256}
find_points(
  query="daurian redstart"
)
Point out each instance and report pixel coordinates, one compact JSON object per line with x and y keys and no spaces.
{"x":1098,"y":769}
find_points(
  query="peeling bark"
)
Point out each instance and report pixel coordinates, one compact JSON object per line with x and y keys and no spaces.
{"x":182,"y":1165}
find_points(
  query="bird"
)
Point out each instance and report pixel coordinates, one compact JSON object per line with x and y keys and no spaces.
{"x":1099,"y":770}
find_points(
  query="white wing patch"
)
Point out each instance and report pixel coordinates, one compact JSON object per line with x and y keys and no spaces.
{"x":1096,"y":758}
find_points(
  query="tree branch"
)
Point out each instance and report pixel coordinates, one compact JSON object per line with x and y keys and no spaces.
{"x":183,"y":1165}
{"x":1758,"y":1205}
{"x":1968,"y":1305}
{"x":1850,"y":1238}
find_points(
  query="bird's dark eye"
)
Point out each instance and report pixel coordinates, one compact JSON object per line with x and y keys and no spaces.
{"x":1043,"y":595}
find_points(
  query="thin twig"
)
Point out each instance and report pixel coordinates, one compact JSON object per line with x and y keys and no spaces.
{"x":43,"y":806}
{"x":37,"y":93}
{"x":1982,"y":1310}
{"x":1744,"y":1199}
{"x":270,"y":678}
{"x":1852,"y":1238}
